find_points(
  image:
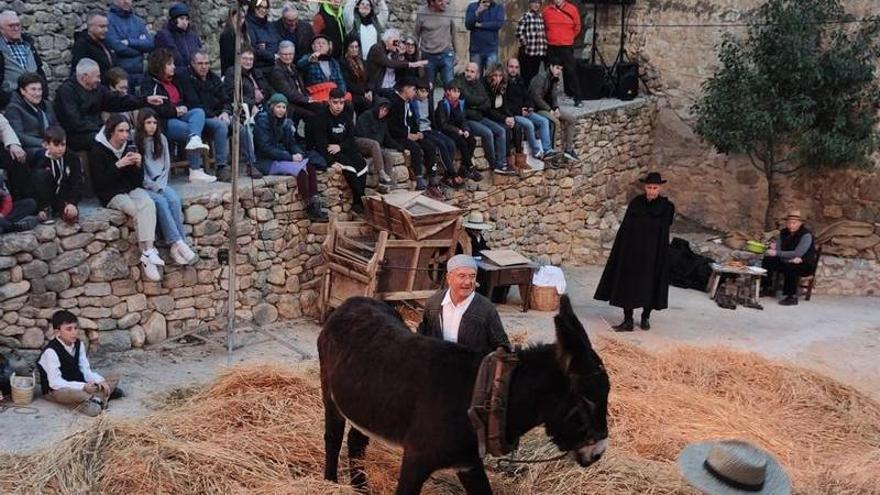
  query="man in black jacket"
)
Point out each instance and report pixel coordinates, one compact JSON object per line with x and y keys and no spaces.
{"x":493,"y":136}
{"x":29,"y":114}
{"x":18,"y":55}
{"x":404,"y":128}
{"x":206,"y":92}
{"x":331,"y":133}
{"x":57,"y":176}
{"x":519,"y":101}
{"x":461,"y":315}
{"x":92,"y":44}
{"x":80,"y":100}
{"x":373,"y":139}
{"x":291,"y":28}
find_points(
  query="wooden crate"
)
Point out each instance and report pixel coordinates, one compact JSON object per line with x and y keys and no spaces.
{"x":411,"y":215}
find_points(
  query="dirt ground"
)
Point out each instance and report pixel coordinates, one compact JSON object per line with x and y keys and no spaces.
{"x":838,"y":336}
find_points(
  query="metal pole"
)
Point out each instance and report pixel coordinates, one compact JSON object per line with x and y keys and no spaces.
{"x":234,"y":164}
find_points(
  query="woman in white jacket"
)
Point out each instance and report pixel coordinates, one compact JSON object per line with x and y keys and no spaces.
{"x":153,"y":146}
{"x":365,"y":21}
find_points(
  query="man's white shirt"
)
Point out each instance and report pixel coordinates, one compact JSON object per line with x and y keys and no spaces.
{"x":451,"y":315}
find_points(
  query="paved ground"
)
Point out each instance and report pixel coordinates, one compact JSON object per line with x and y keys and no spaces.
{"x":839,"y":336}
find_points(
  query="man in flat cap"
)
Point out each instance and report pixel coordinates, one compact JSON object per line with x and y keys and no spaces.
{"x":458,"y":314}
{"x":637,"y":272}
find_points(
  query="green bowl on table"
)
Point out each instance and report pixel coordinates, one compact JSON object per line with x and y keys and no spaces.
{"x":756,"y":247}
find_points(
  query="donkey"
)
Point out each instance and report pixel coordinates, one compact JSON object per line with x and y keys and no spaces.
{"x":414,"y":392}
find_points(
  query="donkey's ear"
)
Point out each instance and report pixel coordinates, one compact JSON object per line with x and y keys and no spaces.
{"x":571,"y":338}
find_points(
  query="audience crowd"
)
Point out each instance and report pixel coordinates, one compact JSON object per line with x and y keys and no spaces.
{"x":319,"y":93}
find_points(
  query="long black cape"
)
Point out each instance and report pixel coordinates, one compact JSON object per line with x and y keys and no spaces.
{"x":637,"y":272}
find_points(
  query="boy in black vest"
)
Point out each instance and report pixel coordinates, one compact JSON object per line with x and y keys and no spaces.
{"x":793,"y":255}
{"x":65,"y":373}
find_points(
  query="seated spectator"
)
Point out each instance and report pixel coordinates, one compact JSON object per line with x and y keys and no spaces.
{"x":118,"y":177}
{"x":129,"y":39}
{"x":484,"y":18}
{"x":293,"y":29}
{"x":13,"y":159}
{"x":278,"y":154}
{"x":374,"y":140}
{"x":18,"y":55}
{"x":285,"y":79}
{"x":29,"y":114}
{"x":118,"y":83}
{"x":544,"y":91}
{"x":180,"y":37}
{"x":153,"y":148}
{"x":423,"y":109}
{"x":493,"y":136}
{"x":79,"y":102}
{"x":792,"y":254}
{"x":354,"y":72}
{"x":226,"y":39}
{"x":328,"y":22}
{"x":205,"y":92}
{"x":500,"y":112}
{"x":449,"y":118}
{"x":253,"y":89}
{"x":92,"y":44}
{"x":365,"y":22}
{"x":65,"y":373}
{"x":58,"y":177}
{"x":320,"y":70}
{"x":16,"y":215}
{"x":405,"y":129}
{"x":184,"y":125}
{"x":409,"y":52}
{"x":262,"y":35}
{"x":331,"y":133}
{"x":384,"y":62}
{"x":520,"y":105}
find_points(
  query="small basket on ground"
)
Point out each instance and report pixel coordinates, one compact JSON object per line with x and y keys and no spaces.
{"x":22,"y":389}
{"x":544,"y":298}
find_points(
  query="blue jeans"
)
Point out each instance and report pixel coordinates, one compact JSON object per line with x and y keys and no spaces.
{"x":182,"y":128}
{"x":542,"y":125}
{"x":484,"y":59}
{"x":443,"y":62}
{"x":169,"y":214}
{"x":493,"y":137}
{"x":220,"y":134}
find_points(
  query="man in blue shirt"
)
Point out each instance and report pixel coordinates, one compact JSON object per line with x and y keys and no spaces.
{"x":484,"y":19}
{"x":129,"y":39}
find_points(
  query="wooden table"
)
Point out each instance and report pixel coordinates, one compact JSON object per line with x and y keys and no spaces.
{"x":491,"y":276}
{"x":750,"y":281}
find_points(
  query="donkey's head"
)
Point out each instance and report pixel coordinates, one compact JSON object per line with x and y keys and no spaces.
{"x":578,"y":421}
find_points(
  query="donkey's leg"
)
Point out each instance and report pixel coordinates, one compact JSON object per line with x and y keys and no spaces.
{"x":357,"y":447}
{"x":414,"y":471}
{"x":474,"y":479}
{"x":334,"y":428}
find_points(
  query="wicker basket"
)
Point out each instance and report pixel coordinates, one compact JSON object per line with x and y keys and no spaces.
{"x":22,"y":389}
{"x":544,"y":298}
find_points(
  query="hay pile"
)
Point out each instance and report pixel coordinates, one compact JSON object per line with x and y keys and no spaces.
{"x":259,"y":430}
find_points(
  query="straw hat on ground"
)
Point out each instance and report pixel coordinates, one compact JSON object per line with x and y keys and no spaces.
{"x":732,"y":467}
{"x":476,"y":221}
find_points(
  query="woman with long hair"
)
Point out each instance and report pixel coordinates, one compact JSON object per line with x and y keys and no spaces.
{"x":153,"y":147}
{"x":365,"y":21}
{"x":118,"y":177}
{"x":355,"y":73}
{"x":184,"y":125}
{"x":500,"y":112}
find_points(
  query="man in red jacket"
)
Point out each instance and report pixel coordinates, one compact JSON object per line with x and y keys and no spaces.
{"x":563,"y":23}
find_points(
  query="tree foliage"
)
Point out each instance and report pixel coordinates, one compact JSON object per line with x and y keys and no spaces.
{"x":798,"y":90}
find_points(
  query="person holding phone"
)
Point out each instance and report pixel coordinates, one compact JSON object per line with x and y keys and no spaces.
{"x":484,"y":19}
{"x":118,"y":177}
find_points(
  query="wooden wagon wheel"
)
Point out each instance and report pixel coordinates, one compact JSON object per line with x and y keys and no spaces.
{"x":437,"y":265}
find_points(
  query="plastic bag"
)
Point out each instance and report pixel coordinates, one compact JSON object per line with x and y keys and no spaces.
{"x":550,"y":276}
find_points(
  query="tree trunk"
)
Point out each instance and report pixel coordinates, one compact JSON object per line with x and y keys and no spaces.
{"x":769,"y":220}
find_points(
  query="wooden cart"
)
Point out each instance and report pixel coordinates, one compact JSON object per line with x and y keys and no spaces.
{"x":363,"y":260}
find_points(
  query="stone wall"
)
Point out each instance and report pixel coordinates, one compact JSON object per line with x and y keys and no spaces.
{"x":560,"y":216}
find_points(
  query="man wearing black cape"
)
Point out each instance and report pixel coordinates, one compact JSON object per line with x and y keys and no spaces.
{"x":637,"y":272}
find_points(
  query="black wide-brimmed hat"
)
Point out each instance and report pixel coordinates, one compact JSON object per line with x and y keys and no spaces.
{"x":653,"y":178}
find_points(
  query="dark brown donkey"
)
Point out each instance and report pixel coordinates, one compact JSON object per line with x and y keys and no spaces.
{"x":415,"y":391}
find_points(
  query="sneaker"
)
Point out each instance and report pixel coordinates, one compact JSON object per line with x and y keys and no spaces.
{"x":571,"y":156}
{"x":153,"y":257}
{"x":421,"y":184}
{"x":183,"y":255}
{"x":539,"y":155}
{"x":224,"y":174}
{"x":199,"y":175}
{"x":195,"y":143}
{"x":435,"y":192}
{"x":151,"y":271}
{"x":505,"y":171}
{"x":91,"y":407}
{"x":578,"y":104}
{"x":384,"y":178}
{"x":475,"y":176}
{"x":26,"y":223}
{"x":551,"y":154}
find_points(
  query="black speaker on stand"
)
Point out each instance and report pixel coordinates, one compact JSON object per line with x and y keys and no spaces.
{"x":598,"y":80}
{"x":626,"y":73}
